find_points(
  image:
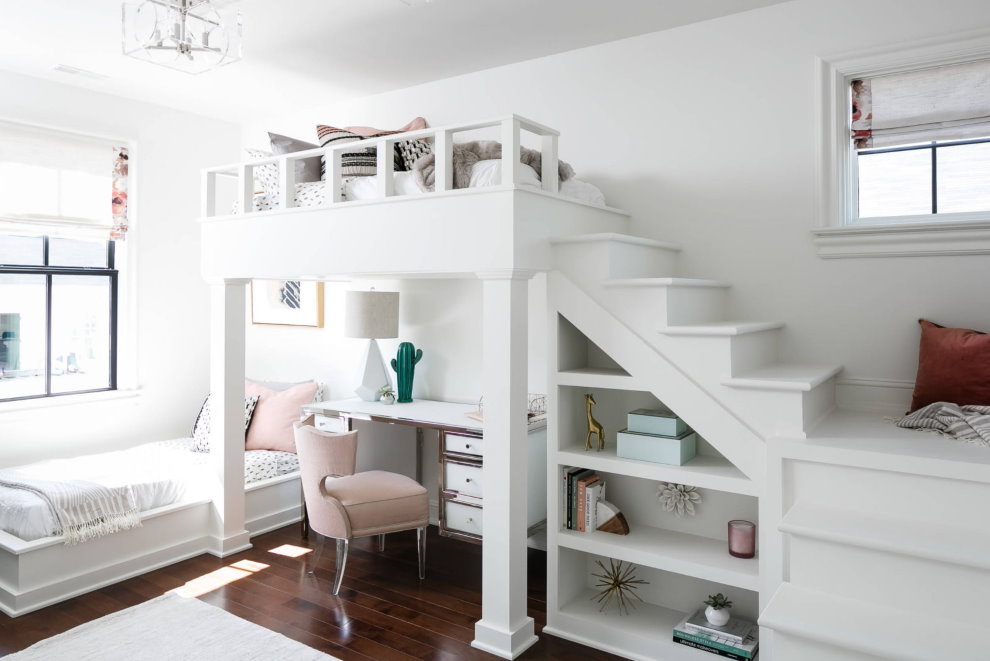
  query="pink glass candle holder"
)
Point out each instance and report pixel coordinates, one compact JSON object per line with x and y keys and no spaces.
{"x":742,"y":538}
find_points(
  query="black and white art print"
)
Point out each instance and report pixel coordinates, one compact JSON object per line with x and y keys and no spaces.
{"x":287,"y":303}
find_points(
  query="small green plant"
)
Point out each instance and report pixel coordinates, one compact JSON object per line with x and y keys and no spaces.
{"x":385,"y":390}
{"x":718,"y":601}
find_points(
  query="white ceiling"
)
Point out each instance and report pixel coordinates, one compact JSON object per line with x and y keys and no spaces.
{"x":316,"y":52}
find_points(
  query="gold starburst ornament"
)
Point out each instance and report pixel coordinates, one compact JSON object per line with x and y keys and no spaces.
{"x":617,"y":583}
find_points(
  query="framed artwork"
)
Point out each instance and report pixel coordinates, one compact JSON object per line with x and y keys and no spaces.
{"x":287,"y":303}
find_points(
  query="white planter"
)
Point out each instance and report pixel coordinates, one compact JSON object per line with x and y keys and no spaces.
{"x":718,"y":617}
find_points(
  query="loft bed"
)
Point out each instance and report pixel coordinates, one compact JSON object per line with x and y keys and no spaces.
{"x":501,"y":234}
{"x":446,"y":232}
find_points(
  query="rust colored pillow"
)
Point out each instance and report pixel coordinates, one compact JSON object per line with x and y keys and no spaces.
{"x":953,"y":366}
{"x":271,"y":424}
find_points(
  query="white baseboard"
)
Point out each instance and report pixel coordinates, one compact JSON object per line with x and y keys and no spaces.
{"x":890,"y":396}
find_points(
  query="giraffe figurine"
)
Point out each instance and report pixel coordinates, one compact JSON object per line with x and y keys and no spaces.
{"x":594,"y":427}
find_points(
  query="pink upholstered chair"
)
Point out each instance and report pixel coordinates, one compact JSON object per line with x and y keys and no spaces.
{"x":344,"y":505}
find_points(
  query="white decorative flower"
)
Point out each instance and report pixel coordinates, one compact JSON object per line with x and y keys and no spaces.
{"x":677,"y":498}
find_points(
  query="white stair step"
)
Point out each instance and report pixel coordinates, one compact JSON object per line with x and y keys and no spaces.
{"x":722,"y":328}
{"x":784,"y":377}
{"x":591,"y":258}
{"x":612,"y":237}
{"x":942,"y":543}
{"x":664,"y":282}
{"x":878,"y":629}
{"x":648,"y":303}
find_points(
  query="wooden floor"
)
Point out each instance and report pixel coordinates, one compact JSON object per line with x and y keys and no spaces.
{"x":383,"y":612}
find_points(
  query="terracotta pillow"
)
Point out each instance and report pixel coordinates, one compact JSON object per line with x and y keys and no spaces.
{"x":271,"y":424}
{"x":953,"y":366}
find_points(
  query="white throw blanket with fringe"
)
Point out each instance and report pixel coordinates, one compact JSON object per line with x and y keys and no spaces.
{"x":83,"y":510}
{"x":970,"y":423}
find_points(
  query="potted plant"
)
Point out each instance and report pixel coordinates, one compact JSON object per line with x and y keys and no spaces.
{"x":717,"y":612}
{"x":386,"y":395}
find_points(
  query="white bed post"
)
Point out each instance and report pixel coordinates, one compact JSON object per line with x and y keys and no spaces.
{"x":510,"y":150}
{"x":227,"y":346}
{"x":504,"y":629}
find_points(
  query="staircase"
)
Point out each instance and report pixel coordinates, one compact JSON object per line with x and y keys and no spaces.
{"x":735,"y":363}
{"x":873,"y":539}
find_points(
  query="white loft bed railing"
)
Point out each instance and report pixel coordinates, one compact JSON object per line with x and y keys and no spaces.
{"x":510,"y":127}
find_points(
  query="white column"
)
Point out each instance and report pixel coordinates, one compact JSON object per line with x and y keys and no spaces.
{"x":504,"y":629}
{"x":227,"y":425}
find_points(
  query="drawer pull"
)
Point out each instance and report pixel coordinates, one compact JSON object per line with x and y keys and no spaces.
{"x":467,"y":446}
{"x":467,"y":479}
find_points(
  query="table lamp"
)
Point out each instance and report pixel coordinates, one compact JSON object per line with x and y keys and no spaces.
{"x":372,"y":315}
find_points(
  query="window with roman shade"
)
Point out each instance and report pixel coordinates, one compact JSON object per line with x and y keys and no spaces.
{"x":921,"y":142}
{"x":63,"y":209}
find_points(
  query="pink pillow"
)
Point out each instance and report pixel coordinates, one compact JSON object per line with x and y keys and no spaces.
{"x":271,"y":425}
{"x":368,"y":131}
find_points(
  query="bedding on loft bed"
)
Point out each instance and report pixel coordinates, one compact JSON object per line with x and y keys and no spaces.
{"x":483,"y":173}
{"x":148,"y":476}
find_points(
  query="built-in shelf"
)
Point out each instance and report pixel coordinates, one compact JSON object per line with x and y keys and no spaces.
{"x":669,"y":550}
{"x":941,"y":543}
{"x":598,"y":377}
{"x":644,"y":634}
{"x":706,"y":471}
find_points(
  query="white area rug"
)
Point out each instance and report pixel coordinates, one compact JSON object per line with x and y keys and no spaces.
{"x":169,"y":628}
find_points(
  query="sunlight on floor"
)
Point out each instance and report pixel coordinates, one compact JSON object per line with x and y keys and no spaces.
{"x":291,"y":551}
{"x":219,"y":578}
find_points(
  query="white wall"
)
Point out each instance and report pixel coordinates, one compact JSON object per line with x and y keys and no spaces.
{"x":171,"y":311}
{"x":706,"y":134}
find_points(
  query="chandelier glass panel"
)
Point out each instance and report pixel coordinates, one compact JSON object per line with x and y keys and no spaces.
{"x":189,"y":35}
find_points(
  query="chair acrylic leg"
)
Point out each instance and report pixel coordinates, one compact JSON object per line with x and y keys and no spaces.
{"x":314,"y":560}
{"x":421,"y":546}
{"x":381,"y":542}
{"x":342,"y":546}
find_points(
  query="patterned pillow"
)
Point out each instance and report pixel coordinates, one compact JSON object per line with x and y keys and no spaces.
{"x":201,"y":430}
{"x":411,"y":151}
{"x":265,"y":176}
{"x":307,"y":169}
{"x":363,"y":162}
{"x":358,"y":163}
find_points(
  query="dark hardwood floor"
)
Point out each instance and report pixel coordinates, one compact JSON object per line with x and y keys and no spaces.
{"x":383,"y":611}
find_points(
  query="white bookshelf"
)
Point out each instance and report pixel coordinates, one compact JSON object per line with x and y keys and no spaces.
{"x":669,"y":550}
{"x":684,"y":560}
{"x":644,"y":634}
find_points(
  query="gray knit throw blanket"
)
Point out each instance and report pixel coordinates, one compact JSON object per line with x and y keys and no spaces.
{"x":82,"y":510}
{"x":466,"y":154}
{"x":970,"y":423}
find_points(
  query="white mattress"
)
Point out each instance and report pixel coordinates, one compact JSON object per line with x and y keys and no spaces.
{"x":484,"y":173}
{"x":158,"y":474}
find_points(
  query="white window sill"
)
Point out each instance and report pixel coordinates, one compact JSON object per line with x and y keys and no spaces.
{"x":81,"y":399}
{"x":904,"y":240}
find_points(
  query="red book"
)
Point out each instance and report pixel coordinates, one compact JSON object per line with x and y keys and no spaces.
{"x":582,"y":487}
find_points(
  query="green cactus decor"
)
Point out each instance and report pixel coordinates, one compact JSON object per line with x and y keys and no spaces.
{"x":404,"y":365}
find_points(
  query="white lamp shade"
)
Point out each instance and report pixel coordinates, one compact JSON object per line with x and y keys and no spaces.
{"x":372,"y":314}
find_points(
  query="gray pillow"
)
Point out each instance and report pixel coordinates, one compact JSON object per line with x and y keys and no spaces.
{"x":308,"y":169}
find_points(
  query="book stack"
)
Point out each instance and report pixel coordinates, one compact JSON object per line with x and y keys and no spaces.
{"x":738,"y":639}
{"x":656,"y":435}
{"x":582,"y":491}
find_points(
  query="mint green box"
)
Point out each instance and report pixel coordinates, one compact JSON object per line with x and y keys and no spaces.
{"x":675,"y":451}
{"x":660,"y":420}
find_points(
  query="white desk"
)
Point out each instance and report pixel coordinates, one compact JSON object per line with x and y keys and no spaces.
{"x":459,"y":505}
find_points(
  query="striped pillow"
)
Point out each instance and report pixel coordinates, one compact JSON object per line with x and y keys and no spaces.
{"x":362,"y":162}
{"x":357,"y":163}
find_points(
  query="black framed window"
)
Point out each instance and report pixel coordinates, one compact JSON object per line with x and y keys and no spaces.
{"x":932,"y":178}
{"x":58,"y":315}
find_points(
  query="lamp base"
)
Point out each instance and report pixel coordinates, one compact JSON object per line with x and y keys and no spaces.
{"x":375,"y":375}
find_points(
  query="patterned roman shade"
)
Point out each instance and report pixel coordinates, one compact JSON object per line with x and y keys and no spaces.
{"x":64,"y":183}
{"x":943,"y":103}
